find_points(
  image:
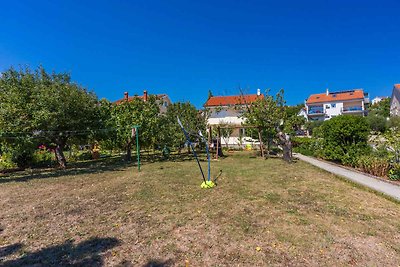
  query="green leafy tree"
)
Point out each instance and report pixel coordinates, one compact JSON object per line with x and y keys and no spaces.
{"x":269,"y":116}
{"x":313,"y":125}
{"x":381,"y":108}
{"x":192,"y":119}
{"x":377,"y":123}
{"x":47,"y":107}
{"x":292,"y":111}
{"x":136,"y":112}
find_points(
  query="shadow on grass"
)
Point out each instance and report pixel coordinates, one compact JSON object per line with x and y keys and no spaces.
{"x":175,"y":157}
{"x":94,"y":166}
{"x":8,"y":250}
{"x":158,"y":263}
{"x":86,"y":253}
{"x":87,"y":167}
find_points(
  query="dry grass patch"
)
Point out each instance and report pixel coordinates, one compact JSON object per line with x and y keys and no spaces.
{"x":295,"y":214}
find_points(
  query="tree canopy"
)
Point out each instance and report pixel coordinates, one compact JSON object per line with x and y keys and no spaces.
{"x":46,"y":107}
{"x":269,"y":116}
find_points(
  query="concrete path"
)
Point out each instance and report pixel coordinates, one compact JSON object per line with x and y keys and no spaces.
{"x":389,"y":189}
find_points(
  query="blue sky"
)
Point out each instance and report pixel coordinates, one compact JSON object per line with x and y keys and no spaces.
{"x":185,"y":48}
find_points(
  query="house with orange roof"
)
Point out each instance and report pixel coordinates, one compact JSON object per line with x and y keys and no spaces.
{"x":327,"y":105}
{"x":395,"y":101}
{"x":163,"y":100}
{"x":227,"y":111}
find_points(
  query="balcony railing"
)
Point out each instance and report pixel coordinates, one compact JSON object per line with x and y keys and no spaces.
{"x":316,"y":111}
{"x":352,"y":109}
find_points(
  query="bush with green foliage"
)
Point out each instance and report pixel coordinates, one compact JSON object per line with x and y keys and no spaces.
{"x":344,"y":139}
{"x":43,"y":158}
{"x":6,"y":161}
{"x":306,"y":146}
{"x":394,"y":173}
{"x":21,"y":152}
{"x":311,"y":125}
{"x":377,"y":123}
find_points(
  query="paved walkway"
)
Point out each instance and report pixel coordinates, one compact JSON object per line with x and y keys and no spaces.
{"x":376,"y":184}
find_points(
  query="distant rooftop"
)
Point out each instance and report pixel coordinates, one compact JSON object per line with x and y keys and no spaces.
{"x":336,"y":96}
{"x":144,"y":97}
{"x":232,"y":100}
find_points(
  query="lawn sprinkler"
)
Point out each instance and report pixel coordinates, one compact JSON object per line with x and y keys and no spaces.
{"x":207,"y":183}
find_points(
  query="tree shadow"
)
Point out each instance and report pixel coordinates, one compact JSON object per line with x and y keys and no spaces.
{"x":95,"y":166}
{"x":88,"y":167}
{"x":158,"y":263}
{"x":8,"y":250}
{"x":86,"y":253}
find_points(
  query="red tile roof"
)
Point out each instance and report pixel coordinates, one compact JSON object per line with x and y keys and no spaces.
{"x":336,"y":96}
{"x":231,"y":100}
{"x":397,"y":86}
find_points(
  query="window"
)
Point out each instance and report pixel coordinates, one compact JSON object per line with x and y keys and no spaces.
{"x":333,"y":105}
{"x":327,"y":106}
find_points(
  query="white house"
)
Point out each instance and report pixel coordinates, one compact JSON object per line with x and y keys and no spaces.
{"x":330,"y":104}
{"x":395,"y":101}
{"x":377,"y":99}
{"x":227,"y":111}
{"x":303,"y":113}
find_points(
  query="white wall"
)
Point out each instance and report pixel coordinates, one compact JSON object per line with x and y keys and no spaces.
{"x":228,"y":120}
{"x":333,"y":109}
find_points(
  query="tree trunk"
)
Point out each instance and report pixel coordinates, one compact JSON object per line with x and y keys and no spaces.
{"x":219,"y":150}
{"x":60,"y":156}
{"x":286,"y":145}
{"x":261,"y":143}
{"x":129,"y":151}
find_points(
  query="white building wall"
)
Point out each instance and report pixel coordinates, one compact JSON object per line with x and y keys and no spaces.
{"x":333,"y":109}
{"x":235,"y":141}
{"x":225,"y":120}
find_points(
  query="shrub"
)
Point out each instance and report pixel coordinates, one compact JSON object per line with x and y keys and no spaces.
{"x":20,"y":153}
{"x":373,"y":165}
{"x":345,"y":139}
{"x":394,"y":172}
{"x":306,"y":146}
{"x":42,"y":158}
{"x":6,"y":161}
{"x":377,"y":123}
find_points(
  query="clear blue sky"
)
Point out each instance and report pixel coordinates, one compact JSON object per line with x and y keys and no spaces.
{"x":185,"y":48}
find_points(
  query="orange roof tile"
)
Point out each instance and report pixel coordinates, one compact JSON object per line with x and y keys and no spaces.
{"x":336,"y":96}
{"x":397,"y":86}
{"x":231,"y":100}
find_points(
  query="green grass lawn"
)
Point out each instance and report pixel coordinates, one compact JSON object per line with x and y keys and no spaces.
{"x":263,"y":212}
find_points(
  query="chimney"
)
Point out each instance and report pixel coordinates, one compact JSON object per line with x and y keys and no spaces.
{"x":327,"y":91}
{"x":258,"y":91}
{"x":145,"y":97}
{"x":126,"y":96}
